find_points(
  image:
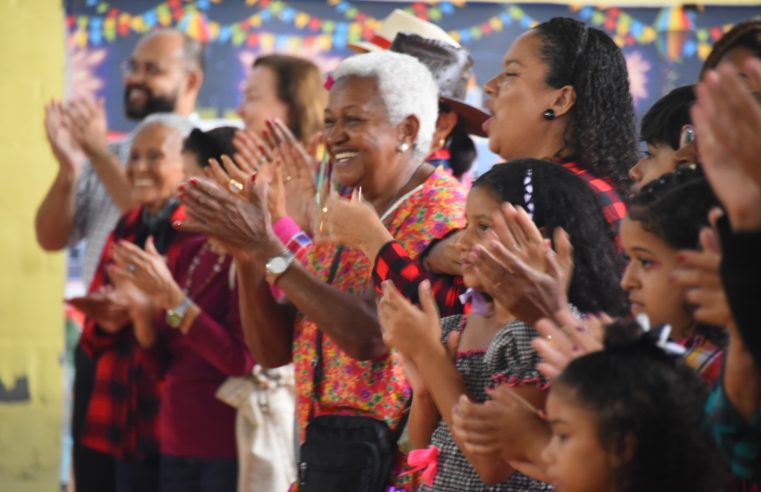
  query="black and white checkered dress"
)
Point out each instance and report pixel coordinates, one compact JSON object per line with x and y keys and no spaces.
{"x":509,"y":359}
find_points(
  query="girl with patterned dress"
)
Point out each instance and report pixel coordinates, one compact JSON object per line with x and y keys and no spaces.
{"x":466,"y":356}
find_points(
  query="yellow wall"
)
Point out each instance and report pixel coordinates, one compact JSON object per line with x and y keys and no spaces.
{"x":31,"y":282}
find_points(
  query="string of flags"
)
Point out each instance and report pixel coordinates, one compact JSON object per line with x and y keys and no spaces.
{"x":674,"y":31}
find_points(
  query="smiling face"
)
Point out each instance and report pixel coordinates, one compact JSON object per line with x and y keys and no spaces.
{"x":260,"y":100}
{"x":155,"y":166}
{"x":155,"y":76}
{"x":647,"y":279}
{"x":359,"y":137}
{"x":658,"y":160}
{"x":480,"y":206}
{"x":577,"y":460}
{"x":517,"y":100}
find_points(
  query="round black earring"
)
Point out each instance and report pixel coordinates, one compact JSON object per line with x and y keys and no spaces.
{"x":549,"y":114}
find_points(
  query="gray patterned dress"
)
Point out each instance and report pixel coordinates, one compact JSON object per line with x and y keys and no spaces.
{"x":509,"y":359}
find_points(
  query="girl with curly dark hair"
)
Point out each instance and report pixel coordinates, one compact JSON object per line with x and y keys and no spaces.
{"x":564,"y":96}
{"x":664,"y":218}
{"x":629,"y":419}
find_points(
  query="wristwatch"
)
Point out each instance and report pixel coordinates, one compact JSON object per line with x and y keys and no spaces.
{"x":277,"y":265}
{"x":175,"y":315}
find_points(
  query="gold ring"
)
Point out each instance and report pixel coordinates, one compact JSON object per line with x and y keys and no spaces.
{"x":234,"y":186}
{"x":325,"y":209}
{"x":288,"y":179}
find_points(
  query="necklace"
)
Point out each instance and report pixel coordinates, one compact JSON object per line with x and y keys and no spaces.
{"x":194,"y":265}
{"x":397,"y":200}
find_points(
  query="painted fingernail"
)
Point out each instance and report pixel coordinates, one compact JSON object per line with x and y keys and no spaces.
{"x":253,"y":178}
{"x":580,"y":329}
{"x":194,"y":181}
{"x":181,"y":187}
{"x":680,"y":257}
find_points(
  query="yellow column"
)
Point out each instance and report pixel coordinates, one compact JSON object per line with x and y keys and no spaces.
{"x":32,"y":47}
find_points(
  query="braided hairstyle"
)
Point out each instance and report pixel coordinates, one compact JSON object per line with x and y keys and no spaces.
{"x":601,"y":133}
{"x":559,"y":198}
{"x":743,"y":35}
{"x":675,"y":208}
{"x":649,"y":410}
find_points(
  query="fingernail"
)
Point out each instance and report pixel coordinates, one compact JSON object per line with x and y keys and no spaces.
{"x":680,"y":257}
{"x":177,"y":224}
{"x":261,"y":148}
{"x":194,"y":181}
{"x":580,"y":329}
{"x":181,"y":187}
{"x":265,"y":133}
{"x":253,"y":178}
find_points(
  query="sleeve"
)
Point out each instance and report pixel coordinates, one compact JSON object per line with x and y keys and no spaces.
{"x":296,"y":240}
{"x":82,"y":194}
{"x":157,"y":358}
{"x":222,"y":343}
{"x":510,"y":358}
{"x":450,"y":324}
{"x":395,"y":264}
{"x":741,"y":277}
{"x":738,"y":439}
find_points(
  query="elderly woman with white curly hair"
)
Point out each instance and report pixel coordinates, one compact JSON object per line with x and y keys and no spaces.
{"x":379,"y":122}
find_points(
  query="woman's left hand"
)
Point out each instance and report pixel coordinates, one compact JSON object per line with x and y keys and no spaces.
{"x":406,"y":327}
{"x":148,"y":271}
{"x":354,"y":224}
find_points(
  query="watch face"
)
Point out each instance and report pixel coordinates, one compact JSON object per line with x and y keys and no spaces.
{"x":277,"y":265}
{"x":173,"y":319}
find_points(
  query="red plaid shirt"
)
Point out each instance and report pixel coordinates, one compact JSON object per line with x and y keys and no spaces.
{"x":613,"y":207}
{"x":395,"y":264}
{"x":122,"y":414}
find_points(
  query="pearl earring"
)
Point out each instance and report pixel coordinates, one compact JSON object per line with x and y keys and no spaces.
{"x":403,"y":147}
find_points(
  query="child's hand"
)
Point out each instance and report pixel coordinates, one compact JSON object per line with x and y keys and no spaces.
{"x":507,"y":425}
{"x":698,"y":272}
{"x":513,"y":277}
{"x":406,"y":327}
{"x":567,"y":338}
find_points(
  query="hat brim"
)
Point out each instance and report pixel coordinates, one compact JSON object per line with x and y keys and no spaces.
{"x":364,"y":47}
{"x":472,"y":117}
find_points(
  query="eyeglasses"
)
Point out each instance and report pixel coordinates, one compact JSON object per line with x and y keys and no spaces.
{"x":149,"y":69}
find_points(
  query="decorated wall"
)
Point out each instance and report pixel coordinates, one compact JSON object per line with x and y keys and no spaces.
{"x":664,"y":47}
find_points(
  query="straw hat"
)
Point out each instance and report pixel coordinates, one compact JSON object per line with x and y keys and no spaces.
{"x":400,"y":21}
{"x":452,"y":68}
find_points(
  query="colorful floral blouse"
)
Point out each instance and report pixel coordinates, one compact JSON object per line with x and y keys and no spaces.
{"x":374,"y":388}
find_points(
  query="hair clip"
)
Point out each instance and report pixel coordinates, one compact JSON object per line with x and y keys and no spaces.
{"x":661,"y":339}
{"x":528,"y":193}
{"x":329,"y":82}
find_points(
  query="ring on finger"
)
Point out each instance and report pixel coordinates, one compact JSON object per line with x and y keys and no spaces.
{"x":288,"y":179}
{"x":131,"y":267}
{"x":234,"y":186}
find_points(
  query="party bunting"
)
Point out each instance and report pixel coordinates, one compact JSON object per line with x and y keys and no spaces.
{"x":674,"y":30}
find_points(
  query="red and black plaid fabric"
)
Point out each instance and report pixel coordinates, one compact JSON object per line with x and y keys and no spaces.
{"x":394,"y":263}
{"x":612,"y":205}
{"x":122,"y":414}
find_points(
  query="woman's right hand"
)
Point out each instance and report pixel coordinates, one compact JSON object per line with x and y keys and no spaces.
{"x":444,"y":256}
{"x":244,"y":225}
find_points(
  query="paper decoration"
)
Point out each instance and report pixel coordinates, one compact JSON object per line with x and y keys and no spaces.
{"x":674,"y":31}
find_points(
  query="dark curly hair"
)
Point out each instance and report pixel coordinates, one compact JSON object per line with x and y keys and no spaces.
{"x":649,"y":407}
{"x":562,"y":199}
{"x":675,"y":208}
{"x":663,"y":122}
{"x":211,"y":144}
{"x":743,"y":35}
{"x":602,"y":133}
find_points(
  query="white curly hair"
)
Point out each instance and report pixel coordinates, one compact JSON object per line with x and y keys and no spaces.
{"x":406,"y":87}
{"x":170,"y":120}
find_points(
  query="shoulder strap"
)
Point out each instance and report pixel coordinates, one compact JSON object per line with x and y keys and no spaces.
{"x":317,"y":362}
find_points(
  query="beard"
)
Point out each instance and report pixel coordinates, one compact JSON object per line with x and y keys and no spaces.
{"x":153,"y":103}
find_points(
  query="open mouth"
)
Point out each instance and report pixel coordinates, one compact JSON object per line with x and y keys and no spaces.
{"x":143,"y":183}
{"x":343,"y":158}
